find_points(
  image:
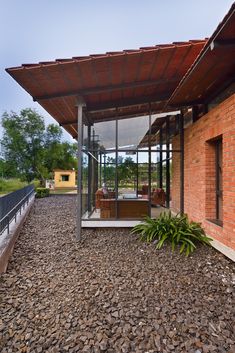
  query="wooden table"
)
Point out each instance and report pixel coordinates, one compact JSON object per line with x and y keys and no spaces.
{"x":127,"y":208}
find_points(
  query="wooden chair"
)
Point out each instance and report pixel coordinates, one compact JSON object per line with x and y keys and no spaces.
{"x":100,"y":195}
{"x":158,"y":197}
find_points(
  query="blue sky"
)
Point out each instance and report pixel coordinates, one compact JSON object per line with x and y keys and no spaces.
{"x":33,"y":31}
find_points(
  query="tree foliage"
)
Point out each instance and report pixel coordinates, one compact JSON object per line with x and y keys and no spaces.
{"x":32,"y":150}
{"x":127,"y":169}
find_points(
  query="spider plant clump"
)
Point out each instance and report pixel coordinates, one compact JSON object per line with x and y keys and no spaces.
{"x":176,"y":230}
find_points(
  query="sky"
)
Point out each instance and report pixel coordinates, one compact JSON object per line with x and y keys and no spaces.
{"x":33,"y":31}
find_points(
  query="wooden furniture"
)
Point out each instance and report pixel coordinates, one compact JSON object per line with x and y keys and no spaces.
{"x":158,"y":197}
{"x":132,"y":208}
{"x":100,"y":195}
{"x":144,"y":190}
{"x":107,"y":208}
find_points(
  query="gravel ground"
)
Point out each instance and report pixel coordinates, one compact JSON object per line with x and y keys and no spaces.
{"x":110,"y":293}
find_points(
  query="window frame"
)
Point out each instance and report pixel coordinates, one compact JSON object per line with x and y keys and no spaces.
{"x":65,"y":176}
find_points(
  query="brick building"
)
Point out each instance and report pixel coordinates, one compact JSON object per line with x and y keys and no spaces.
{"x":167,"y":110}
{"x":209,"y":139}
{"x":202,"y":167}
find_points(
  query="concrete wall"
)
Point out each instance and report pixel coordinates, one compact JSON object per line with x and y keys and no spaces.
{"x":7,"y":241}
{"x":200,"y":171}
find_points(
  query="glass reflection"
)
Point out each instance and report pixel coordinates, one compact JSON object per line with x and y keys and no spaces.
{"x":116,"y":173}
{"x":84,"y":183}
{"x":103,"y":135}
{"x":131,"y":132}
{"x":127,"y":174}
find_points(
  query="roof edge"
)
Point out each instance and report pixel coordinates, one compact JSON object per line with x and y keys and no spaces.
{"x":204,"y":50}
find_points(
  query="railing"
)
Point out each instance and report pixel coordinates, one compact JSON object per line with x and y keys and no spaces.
{"x":12,"y":204}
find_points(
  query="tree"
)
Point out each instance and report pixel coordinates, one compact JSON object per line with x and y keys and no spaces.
{"x":23,"y":142}
{"x":31,"y":150}
{"x":61,"y":156}
{"x":57,"y":154}
{"x":127,"y":170}
{"x":53,"y":135}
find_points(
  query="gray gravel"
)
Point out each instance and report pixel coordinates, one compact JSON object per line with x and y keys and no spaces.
{"x":110,"y":293}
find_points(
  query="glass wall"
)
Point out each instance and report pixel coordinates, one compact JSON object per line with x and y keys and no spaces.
{"x":127,"y":167}
{"x":84,"y":183}
{"x":131,"y":132}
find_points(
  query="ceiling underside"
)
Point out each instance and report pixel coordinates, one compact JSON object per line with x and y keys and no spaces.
{"x":212,"y":71}
{"x":118,"y":84}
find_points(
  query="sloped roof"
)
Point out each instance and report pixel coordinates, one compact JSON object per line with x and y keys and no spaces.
{"x":112,"y":84}
{"x":213,"y":70}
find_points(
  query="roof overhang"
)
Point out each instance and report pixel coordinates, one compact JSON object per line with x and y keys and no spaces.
{"x":114,"y":85}
{"x":212,"y":71}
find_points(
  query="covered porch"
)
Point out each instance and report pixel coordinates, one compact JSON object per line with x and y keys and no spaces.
{"x":127,"y":168}
{"x":113,"y":105}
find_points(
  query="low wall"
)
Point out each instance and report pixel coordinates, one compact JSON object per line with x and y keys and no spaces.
{"x":7,"y":241}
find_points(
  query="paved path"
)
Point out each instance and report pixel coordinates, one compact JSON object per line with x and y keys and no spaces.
{"x":110,"y":293}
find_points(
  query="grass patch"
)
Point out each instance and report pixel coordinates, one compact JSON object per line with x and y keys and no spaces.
{"x":9,"y":185}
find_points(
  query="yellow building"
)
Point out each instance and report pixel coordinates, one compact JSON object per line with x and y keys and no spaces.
{"x":64,"y":179}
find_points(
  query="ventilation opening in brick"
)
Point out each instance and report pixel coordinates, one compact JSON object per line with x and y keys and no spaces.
{"x":214,"y":181}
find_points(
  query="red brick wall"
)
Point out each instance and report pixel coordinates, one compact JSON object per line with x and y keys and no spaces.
{"x":199,"y":172}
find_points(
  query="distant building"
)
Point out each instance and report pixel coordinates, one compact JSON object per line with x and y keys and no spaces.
{"x":64,"y":178}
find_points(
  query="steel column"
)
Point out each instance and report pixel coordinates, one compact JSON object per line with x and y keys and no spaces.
{"x":79,"y":165}
{"x":89,"y":169}
{"x":168,"y":178}
{"x":160,"y":159}
{"x":149,"y":163}
{"x":100,"y":184}
{"x":116,"y":170}
{"x":137,"y":173}
{"x":104,"y":178}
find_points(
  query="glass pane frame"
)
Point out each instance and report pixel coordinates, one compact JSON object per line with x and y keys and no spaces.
{"x":104,"y":164}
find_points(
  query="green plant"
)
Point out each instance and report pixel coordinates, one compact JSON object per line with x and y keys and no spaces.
{"x":177,"y":230}
{"x":36,"y":183}
{"x":9,"y":185}
{"x":42,"y":192}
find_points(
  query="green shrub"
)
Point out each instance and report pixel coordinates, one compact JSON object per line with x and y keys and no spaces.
{"x":42,"y":192}
{"x":177,"y":230}
{"x":36,"y":183}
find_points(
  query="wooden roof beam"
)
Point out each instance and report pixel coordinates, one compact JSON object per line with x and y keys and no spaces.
{"x":128,"y":102}
{"x":186,"y":104}
{"x":70,"y":122}
{"x":110,"y":88}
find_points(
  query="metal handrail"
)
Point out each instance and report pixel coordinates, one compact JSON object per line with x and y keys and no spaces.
{"x":6,"y":220}
{"x":16,"y":205}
